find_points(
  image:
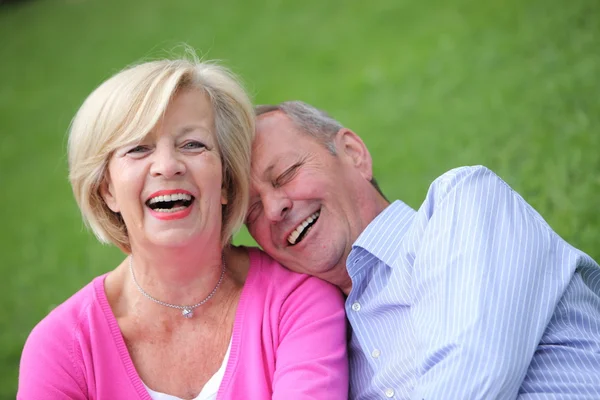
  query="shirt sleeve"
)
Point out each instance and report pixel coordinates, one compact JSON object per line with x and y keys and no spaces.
{"x":48,"y":369}
{"x":311,"y":356}
{"x":486,"y":282}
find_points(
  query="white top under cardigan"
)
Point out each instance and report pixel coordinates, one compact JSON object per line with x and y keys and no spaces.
{"x":208,"y":392}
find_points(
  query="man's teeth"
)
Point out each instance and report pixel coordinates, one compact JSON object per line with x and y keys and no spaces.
{"x":301,"y":227}
{"x":170,"y":197}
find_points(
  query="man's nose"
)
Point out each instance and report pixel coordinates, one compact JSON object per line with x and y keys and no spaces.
{"x":167,"y":163}
{"x":276,"y":207}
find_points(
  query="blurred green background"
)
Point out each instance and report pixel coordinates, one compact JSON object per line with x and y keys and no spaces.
{"x":430,"y":85}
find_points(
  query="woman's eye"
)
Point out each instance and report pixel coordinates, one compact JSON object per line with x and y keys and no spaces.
{"x":193,"y":145}
{"x":138,"y":149}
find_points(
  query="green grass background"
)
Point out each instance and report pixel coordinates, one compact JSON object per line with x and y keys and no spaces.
{"x":430,"y":85}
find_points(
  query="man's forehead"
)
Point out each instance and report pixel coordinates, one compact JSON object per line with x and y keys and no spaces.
{"x":274,"y":130}
{"x":276,"y":126}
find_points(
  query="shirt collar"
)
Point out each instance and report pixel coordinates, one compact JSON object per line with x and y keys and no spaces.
{"x":382,"y":235}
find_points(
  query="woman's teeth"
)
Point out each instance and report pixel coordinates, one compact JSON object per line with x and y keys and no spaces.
{"x":170,"y":203}
{"x":170,"y":197}
{"x":304,"y":225}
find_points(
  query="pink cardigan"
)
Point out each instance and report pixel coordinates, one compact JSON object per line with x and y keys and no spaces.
{"x":288,"y":342}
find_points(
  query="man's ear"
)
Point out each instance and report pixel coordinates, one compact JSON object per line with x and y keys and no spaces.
{"x":353,"y":150}
{"x":108,"y":195}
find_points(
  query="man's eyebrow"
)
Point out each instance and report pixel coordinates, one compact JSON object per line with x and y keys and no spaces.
{"x":266,"y":174}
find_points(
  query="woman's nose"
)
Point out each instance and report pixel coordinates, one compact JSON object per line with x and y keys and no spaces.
{"x":167,"y":163}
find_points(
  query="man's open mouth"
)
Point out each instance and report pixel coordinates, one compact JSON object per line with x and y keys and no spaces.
{"x":170,"y":203}
{"x":302,"y":229}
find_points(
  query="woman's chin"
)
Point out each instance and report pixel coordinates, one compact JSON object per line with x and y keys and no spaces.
{"x":177,"y":234}
{"x":172,"y":238}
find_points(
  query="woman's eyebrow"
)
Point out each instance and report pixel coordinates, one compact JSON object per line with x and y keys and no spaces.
{"x":192,"y":128}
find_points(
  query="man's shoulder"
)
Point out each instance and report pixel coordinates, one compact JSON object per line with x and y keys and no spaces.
{"x":465,"y":180}
{"x":458,"y":175}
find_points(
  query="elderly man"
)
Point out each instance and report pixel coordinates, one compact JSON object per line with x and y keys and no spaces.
{"x":472,"y":296}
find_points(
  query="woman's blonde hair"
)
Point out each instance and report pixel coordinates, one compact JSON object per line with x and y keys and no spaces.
{"x":126,"y":107}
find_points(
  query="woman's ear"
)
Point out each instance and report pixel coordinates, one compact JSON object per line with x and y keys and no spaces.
{"x":353,"y":150}
{"x":108,"y":195}
{"x":224,"y":200}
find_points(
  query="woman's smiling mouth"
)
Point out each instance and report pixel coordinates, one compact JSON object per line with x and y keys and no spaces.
{"x":170,"y":204}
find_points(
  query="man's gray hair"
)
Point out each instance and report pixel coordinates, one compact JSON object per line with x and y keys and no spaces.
{"x":317,"y":123}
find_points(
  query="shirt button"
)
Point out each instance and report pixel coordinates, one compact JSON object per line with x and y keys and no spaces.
{"x":389,"y":392}
{"x":356,"y":306}
{"x":376,"y":353}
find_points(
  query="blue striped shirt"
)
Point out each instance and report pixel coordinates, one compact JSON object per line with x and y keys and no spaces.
{"x":473,"y":296}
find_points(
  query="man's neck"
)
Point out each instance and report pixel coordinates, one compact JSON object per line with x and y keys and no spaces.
{"x":346,"y":286}
{"x":378,"y":204}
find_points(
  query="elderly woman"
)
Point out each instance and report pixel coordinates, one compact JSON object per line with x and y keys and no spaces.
{"x":159,"y":158}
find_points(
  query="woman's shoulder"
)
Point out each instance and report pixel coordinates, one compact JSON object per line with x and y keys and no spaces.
{"x":65,"y":319}
{"x":53,"y":353}
{"x":271,"y":274}
{"x":270,"y":270}
{"x":295,"y":299}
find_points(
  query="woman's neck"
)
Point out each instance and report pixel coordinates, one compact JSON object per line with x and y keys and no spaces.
{"x":175,"y":275}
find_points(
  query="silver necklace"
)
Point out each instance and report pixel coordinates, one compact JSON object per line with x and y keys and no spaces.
{"x":186,"y":311}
